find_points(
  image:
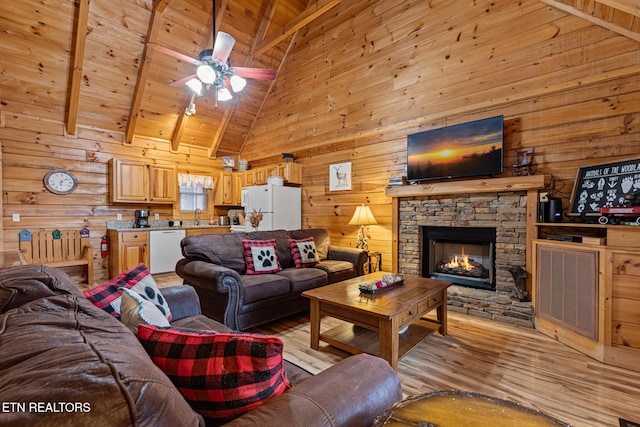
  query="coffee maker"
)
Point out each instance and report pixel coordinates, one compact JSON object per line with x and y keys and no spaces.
{"x":142,"y":219}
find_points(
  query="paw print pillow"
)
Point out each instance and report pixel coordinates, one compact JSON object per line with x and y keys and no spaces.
{"x":261,"y":256}
{"x":304,"y":252}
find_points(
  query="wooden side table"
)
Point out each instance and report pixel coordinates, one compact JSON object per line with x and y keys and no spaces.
{"x":375,"y":262}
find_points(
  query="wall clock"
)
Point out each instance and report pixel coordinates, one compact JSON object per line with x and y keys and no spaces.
{"x":60,"y":181}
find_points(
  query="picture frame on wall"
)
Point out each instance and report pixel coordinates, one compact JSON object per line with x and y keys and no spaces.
{"x":340,"y":176}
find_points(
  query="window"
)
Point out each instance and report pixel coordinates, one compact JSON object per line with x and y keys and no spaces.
{"x":193,"y":191}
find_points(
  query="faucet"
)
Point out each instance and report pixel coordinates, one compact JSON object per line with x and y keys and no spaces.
{"x":196,"y":216}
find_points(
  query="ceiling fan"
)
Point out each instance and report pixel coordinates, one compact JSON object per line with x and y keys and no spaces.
{"x":214,"y":70}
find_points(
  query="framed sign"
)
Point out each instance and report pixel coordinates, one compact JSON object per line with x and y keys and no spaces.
{"x":340,"y":176}
{"x":604,"y":185}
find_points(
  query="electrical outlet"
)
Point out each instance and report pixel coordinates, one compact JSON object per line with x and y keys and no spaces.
{"x":16,"y":217}
{"x":157,"y":216}
{"x":119,"y":216}
{"x":544,"y":197}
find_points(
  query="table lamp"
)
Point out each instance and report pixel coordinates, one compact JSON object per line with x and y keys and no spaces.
{"x":362,"y":216}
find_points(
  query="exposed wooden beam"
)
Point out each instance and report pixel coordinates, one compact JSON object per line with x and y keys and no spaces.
{"x":593,"y":19}
{"x":183,"y":119}
{"x":80,"y":37}
{"x":158,"y":7}
{"x":315,"y":10}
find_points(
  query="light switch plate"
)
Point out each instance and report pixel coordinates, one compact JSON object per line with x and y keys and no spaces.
{"x":119,"y":217}
{"x":16,"y":217}
{"x":157,"y":216}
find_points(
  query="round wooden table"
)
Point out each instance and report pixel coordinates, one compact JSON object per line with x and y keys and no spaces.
{"x":461,"y":409}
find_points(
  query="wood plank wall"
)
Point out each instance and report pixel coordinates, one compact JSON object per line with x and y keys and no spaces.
{"x":373,"y":72}
{"x":37,"y":39}
{"x":30,"y":150}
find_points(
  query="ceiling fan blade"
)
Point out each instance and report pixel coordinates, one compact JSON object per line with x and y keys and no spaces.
{"x":183,"y":80}
{"x":223,"y":45}
{"x":255,"y":73}
{"x":173,"y":53}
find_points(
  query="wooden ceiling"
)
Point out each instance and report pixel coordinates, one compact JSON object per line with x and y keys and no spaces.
{"x":87,"y":63}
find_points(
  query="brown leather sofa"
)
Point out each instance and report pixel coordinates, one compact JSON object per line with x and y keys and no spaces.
{"x":65,"y":362}
{"x":214,"y":265}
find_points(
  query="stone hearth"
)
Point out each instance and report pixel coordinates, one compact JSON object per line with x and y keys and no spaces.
{"x":507,"y":212}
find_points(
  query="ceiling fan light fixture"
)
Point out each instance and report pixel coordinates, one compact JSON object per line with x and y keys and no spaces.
{"x":224,"y":94}
{"x":191,"y":109}
{"x":206,"y":74}
{"x":237,"y":83}
{"x":195,"y":85}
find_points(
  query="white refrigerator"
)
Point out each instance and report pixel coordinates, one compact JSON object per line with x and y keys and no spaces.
{"x":281,"y":206}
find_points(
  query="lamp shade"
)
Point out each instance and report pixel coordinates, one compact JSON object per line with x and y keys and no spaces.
{"x":363,"y":216}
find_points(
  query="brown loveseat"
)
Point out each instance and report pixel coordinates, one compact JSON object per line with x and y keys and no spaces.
{"x":64,"y":361}
{"x":214,"y":265}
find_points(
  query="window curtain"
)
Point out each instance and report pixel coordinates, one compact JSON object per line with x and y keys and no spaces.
{"x":188,"y":180}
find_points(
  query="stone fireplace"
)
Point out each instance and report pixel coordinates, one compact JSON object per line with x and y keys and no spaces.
{"x":504,"y":214}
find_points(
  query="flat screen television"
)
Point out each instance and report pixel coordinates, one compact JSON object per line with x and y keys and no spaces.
{"x":468,"y":149}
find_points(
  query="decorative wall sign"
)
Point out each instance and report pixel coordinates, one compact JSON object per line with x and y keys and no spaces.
{"x":340,"y":176}
{"x":604,"y":185}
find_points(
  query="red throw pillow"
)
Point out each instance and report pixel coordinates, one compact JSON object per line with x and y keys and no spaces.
{"x":261,"y":256}
{"x":304,"y":252}
{"x":221,"y":375}
{"x":109,"y":295}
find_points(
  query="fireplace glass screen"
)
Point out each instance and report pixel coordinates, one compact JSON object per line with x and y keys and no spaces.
{"x":464,"y":256}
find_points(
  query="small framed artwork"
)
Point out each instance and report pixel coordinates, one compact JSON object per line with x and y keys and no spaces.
{"x":340,"y":177}
{"x":228,"y":162}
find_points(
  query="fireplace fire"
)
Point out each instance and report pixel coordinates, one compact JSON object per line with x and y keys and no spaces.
{"x":462,"y":265}
{"x":463,"y":255}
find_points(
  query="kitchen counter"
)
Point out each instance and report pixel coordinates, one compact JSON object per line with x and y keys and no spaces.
{"x":163,"y":225}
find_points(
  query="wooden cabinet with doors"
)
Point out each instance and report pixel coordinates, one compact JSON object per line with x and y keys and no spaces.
{"x":291,"y":172}
{"x":587,"y":295}
{"x":260,"y":176}
{"x":242,"y":179}
{"x":139,"y":182}
{"x":163,"y":183}
{"x":127,"y":249}
{"x":223,"y":189}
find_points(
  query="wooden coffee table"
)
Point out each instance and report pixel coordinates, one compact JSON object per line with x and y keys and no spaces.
{"x":374,"y":322}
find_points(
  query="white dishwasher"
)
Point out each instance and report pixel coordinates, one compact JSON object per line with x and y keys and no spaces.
{"x":164,"y":250}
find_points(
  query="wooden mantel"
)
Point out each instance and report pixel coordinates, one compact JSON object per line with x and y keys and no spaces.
{"x":489,"y":185}
{"x":531,"y":184}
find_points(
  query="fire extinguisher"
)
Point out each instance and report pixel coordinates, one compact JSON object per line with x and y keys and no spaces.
{"x":104,"y":247}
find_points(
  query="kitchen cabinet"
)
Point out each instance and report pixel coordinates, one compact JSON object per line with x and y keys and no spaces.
{"x":242,"y":179}
{"x":127,"y":249}
{"x":291,"y":172}
{"x":260,"y":176}
{"x":139,"y":182}
{"x":223,"y":191}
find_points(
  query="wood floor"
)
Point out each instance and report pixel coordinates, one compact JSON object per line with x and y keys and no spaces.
{"x":496,"y":359}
